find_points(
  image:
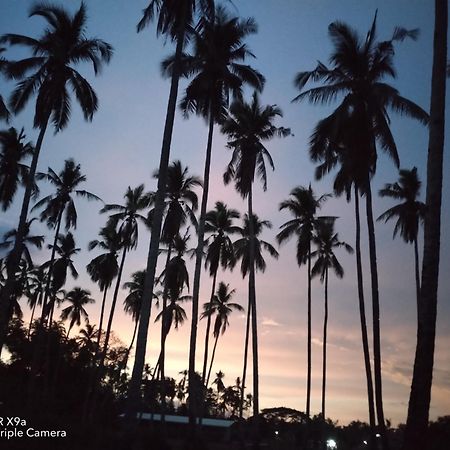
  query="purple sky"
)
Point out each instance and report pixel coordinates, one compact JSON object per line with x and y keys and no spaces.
{"x":121,"y":147}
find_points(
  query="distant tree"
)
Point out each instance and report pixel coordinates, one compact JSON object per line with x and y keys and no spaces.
{"x":78,"y":299}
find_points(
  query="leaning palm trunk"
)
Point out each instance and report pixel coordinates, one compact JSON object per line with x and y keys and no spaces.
{"x":102,"y":313}
{"x":376,"y":318}
{"x":417,"y":274}
{"x":308,"y":377}
{"x":244,"y":370}
{"x":362,"y":315}
{"x":152,"y":259}
{"x":324,"y":350}
{"x":193,"y":408}
{"x":212,"y":360}
{"x":252,"y":301}
{"x":419,"y":400}
{"x":16,"y":253}
{"x":208,"y":329}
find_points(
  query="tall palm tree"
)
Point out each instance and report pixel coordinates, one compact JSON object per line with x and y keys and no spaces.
{"x":133,"y":301}
{"x":220,"y":307}
{"x":4,"y":113}
{"x":174,"y":18}
{"x":61,"y":204}
{"x":218,"y":72}
{"x":78,"y":299}
{"x":419,"y":400}
{"x":358,"y":69}
{"x":127,"y":218}
{"x":326,"y":241}
{"x":243,"y":248}
{"x":220,"y":253}
{"x":248,"y":127}
{"x":409,"y":213}
{"x":104,"y":268}
{"x":13,"y":172}
{"x":48,"y":73}
{"x":303,"y":205}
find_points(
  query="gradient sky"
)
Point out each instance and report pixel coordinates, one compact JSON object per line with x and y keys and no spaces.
{"x":121,"y":148}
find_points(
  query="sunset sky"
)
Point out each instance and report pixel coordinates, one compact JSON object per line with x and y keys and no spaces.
{"x":121,"y":148}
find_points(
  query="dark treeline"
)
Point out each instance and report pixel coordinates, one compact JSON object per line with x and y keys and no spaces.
{"x":62,"y":371}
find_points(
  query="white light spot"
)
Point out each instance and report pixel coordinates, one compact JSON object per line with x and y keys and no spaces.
{"x":331,"y":444}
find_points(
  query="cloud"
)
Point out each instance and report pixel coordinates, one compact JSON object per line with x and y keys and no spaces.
{"x":268,"y":322}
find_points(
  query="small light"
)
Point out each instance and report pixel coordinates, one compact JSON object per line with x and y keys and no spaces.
{"x":331,"y":444}
{"x":365,"y":442}
{"x":378,"y":435}
{"x":276,"y":432}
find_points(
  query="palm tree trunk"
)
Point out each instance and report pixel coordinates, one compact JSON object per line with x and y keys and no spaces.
{"x":212,"y":360}
{"x":419,"y":400}
{"x":152,"y":259}
{"x":417,"y":274}
{"x":244,"y":371}
{"x":308,"y":376}
{"x":324,"y":349}
{"x":16,"y":253}
{"x":31,"y":321}
{"x":50,"y":267}
{"x":193,"y":408}
{"x":102,"y":313}
{"x":362,"y":316}
{"x":375,"y":318}
{"x":208,"y":328}
{"x":252,"y":297}
{"x":131,"y":343}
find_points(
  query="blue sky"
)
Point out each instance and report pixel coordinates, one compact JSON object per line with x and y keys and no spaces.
{"x":121,"y":148}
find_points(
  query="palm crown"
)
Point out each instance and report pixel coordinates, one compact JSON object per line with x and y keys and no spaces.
{"x":78,"y":298}
{"x":50,"y":68}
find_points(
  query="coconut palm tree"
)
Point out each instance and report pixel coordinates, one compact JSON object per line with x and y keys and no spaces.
{"x":409,"y":213}
{"x":4,"y":113}
{"x":218,"y":72}
{"x":248,"y":127}
{"x":48,"y":73}
{"x":358,"y":69}
{"x":173,"y":19}
{"x":78,"y":299}
{"x":220,"y":253}
{"x":303,"y":205}
{"x":61,"y":204}
{"x":104,"y":268}
{"x":419,"y":401}
{"x":220,"y":307}
{"x":127,"y":218}
{"x":13,"y":172}
{"x":35,"y":292}
{"x":326,"y":241}
{"x":242,"y":248}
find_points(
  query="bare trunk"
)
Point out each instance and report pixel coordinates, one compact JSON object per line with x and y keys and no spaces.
{"x":244,"y":371}
{"x":134,"y":389}
{"x":417,"y":275}
{"x":324,"y":352}
{"x":102,"y":313}
{"x":208,"y":328}
{"x":212,"y":360}
{"x":308,"y":377}
{"x":31,"y":321}
{"x":16,"y":253}
{"x":193,"y":407}
{"x":419,"y":400}
{"x":376,"y":319}
{"x":362,"y":316}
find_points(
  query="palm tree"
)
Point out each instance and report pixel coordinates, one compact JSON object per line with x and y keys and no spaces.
{"x":127,"y":218}
{"x":133,"y":301}
{"x":218,"y":74}
{"x":358,"y":69}
{"x":173,"y":18}
{"x":47,"y":73}
{"x":326,"y":241}
{"x":104,"y":268}
{"x":221,"y":307}
{"x":303,"y":205}
{"x":408,"y":214}
{"x":35,"y":292}
{"x":13,"y":172}
{"x":66,"y":184}
{"x":78,"y":299}
{"x":4,"y":113}
{"x":220,"y":252}
{"x":419,"y":401}
{"x":248,"y":126}
{"x":243,"y":249}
